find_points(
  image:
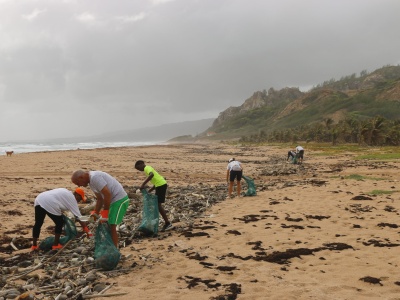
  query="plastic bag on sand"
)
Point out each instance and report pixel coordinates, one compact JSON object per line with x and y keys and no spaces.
{"x":106,"y":255}
{"x":70,"y":234}
{"x":149,"y":225}
{"x":251,"y":188}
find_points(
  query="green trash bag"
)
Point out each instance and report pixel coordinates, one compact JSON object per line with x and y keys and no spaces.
{"x":149,"y":225}
{"x":70,"y":234}
{"x":251,"y":188}
{"x":106,"y":255}
{"x":294,"y":160}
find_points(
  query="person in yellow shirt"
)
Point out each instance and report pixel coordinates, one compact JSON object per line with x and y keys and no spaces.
{"x":160,"y":185}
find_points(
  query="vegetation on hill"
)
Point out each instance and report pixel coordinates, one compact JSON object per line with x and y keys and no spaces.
{"x":361,"y":109}
{"x":373,"y":131}
{"x":363,"y":81}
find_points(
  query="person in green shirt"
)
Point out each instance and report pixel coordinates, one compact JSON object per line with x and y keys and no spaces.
{"x":160,"y":185}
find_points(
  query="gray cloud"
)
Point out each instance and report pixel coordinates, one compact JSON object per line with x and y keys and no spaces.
{"x":71,"y":68}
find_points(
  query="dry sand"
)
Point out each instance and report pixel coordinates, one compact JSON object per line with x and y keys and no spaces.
{"x":301,"y":237}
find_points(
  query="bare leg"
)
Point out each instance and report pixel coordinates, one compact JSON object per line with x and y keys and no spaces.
{"x":230,"y":188}
{"x":114,"y":234}
{"x":239,"y":188}
{"x":163,"y":213}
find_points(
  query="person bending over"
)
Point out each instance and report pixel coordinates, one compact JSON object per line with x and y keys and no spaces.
{"x":300,"y":153}
{"x":53,"y":203}
{"x":112,"y":200}
{"x":160,"y":185}
{"x":291,"y":154}
{"x":234,"y":171}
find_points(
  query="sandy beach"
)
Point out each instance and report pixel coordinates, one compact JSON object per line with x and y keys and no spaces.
{"x":311,"y":232}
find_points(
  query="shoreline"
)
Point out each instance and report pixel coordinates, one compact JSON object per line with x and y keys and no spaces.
{"x":305,"y":213}
{"x":22,"y":148}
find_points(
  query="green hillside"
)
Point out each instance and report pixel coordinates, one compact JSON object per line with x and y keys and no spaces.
{"x":357,"y":98}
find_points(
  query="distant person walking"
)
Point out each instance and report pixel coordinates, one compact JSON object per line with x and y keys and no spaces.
{"x":300,"y":153}
{"x":112,"y":200}
{"x":53,"y":203}
{"x":234,"y":171}
{"x":160,"y":185}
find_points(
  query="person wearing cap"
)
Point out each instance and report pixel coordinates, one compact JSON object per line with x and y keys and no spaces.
{"x":234,"y":171}
{"x":112,"y":200}
{"x":53,"y":203}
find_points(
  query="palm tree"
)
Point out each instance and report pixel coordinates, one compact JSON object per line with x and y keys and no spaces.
{"x":373,"y":131}
{"x":351,"y":128}
{"x":335,"y":132}
{"x":393,"y":133}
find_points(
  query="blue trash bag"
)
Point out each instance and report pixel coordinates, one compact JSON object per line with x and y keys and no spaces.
{"x":106,"y":255}
{"x":150,"y":217}
{"x":70,"y":233}
{"x":251,"y":187}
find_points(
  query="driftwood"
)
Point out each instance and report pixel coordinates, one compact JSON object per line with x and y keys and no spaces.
{"x":27,"y":272}
{"x":59,"y":252}
{"x":103,"y":295}
{"x":71,"y":273}
{"x":88,"y":208}
{"x":12,"y":244}
{"x":41,"y":264}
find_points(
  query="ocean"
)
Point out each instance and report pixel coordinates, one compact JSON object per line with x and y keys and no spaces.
{"x":42,"y":147}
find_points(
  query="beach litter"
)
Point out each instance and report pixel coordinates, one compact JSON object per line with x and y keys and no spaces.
{"x":76,"y":271}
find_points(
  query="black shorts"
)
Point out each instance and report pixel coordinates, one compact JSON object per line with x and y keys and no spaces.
{"x":235,"y":174}
{"x":161,"y":191}
{"x":300,"y":154}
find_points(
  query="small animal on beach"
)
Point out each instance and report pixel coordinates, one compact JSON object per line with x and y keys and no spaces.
{"x":9,"y":153}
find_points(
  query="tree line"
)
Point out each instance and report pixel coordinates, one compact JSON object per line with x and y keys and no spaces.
{"x":375,"y":131}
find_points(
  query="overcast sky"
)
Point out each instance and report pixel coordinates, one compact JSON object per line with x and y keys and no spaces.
{"x":82,"y":67}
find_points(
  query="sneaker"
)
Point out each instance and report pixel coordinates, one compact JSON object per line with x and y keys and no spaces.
{"x":57,"y":247}
{"x":34,"y":248}
{"x":167,"y":227}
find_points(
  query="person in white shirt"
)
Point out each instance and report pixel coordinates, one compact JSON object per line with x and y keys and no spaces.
{"x":53,"y":203}
{"x":112,"y":200}
{"x":300,"y":153}
{"x":234,"y":171}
